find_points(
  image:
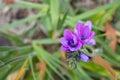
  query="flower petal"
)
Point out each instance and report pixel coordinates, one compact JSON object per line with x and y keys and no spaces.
{"x":67,"y":34}
{"x":64,"y":48}
{"x":91,"y":42}
{"x":79,"y":45}
{"x":84,"y":57}
{"x":88,"y":24}
{"x":85,"y":31}
{"x":92,"y":33}
{"x":63,"y":41}
{"x":77,"y":42}
{"x":72,"y":48}
{"x":77,"y":28}
{"x":75,"y":39}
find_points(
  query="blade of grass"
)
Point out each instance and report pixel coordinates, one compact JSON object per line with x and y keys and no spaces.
{"x":87,"y":14}
{"x":13,"y":38}
{"x":14,"y":24}
{"x":55,"y":63}
{"x":108,"y":51}
{"x":95,"y":11}
{"x":83,"y":73}
{"x":6,"y":73}
{"x":49,"y":74}
{"x":46,"y":41}
{"x":31,"y":66}
{"x":5,"y":48}
{"x":61,"y":21}
{"x":6,"y":54}
{"x":54,"y":12}
{"x":93,"y":67}
{"x":39,"y":53}
{"x":107,"y":15}
{"x":100,"y":61}
{"x":31,"y":5}
{"x":14,"y":60}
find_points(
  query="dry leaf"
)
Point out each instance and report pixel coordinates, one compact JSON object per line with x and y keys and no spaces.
{"x":42,"y":67}
{"x":9,"y":1}
{"x":55,"y":34}
{"x":117,"y":33}
{"x":111,"y":33}
{"x":22,"y":70}
{"x":118,"y":40}
{"x":100,"y":61}
{"x":12,"y":76}
{"x":63,"y":57}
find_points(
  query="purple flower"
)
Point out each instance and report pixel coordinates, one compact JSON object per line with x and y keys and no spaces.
{"x":70,"y":41}
{"x":84,"y":57}
{"x":84,"y":33}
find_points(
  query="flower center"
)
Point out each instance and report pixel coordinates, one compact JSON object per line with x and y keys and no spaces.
{"x":71,"y":43}
{"x":83,"y":37}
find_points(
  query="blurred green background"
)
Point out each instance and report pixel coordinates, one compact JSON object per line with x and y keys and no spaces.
{"x":29,"y":33}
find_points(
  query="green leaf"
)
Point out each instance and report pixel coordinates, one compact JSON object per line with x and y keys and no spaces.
{"x":42,"y":54}
{"x":108,"y":53}
{"x":15,"y":24}
{"x":72,"y":20}
{"x":95,"y":68}
{"x":61,"y":21}
{"x":85,"y":76}
{"x":32,"y":69}
{"x":103,"y":18}
{"x":46,"y":41}
{"x":4,"y":72}
{"x":14,"y":38}
{"x":26,"y":4}
{"x":5,"y":48}
{"x":95,"y":11}
{"x":49,"y":74}
{"x":54,"y":12}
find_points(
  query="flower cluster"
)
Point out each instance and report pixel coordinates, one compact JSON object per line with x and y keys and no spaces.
{"x":72,"y":42}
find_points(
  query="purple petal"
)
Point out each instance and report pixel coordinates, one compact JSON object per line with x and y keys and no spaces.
{"x":91,"y":42}
{"x":85,"y":33}
{"x":84,"y":57}
{"x":77,"y":28}
{"x":75,"y":39}
{"x":67,"y":34}
{"x":88,"y":24}
{"x":63,"y":41}
{"x":86,"y":41}
{"x":64,"y":48}
{"x":72,"y":48}
{"x":77,"y":42}
{"x":92,"y":33}
{"x":79,"y":45}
